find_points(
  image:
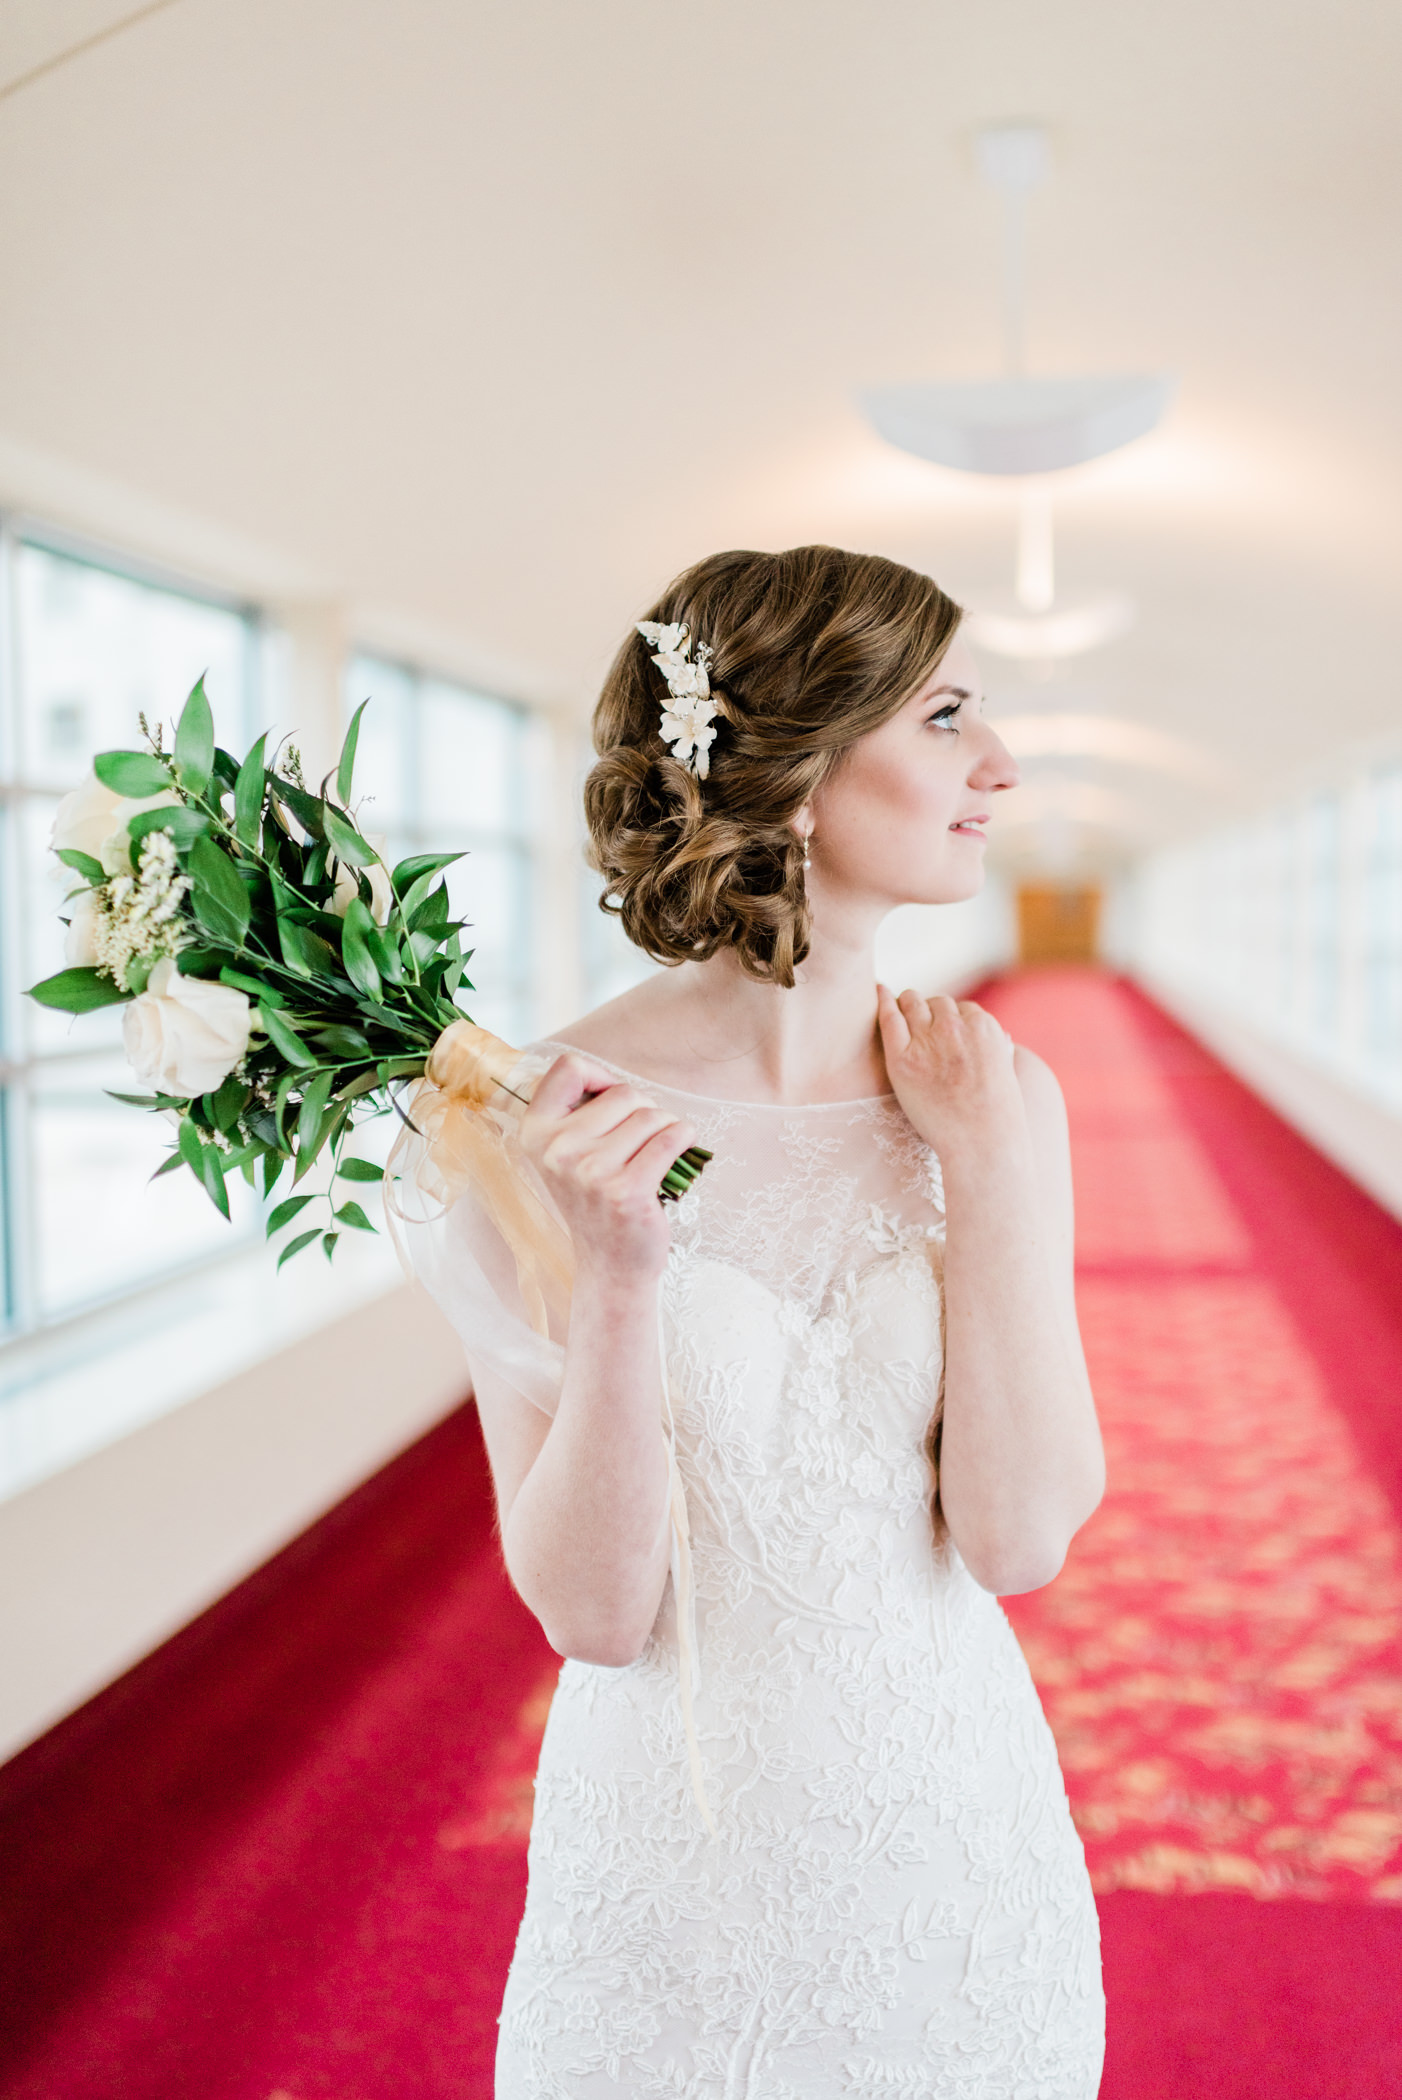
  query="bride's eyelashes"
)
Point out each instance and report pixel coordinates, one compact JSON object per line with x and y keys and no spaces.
{"x":945,"y":718}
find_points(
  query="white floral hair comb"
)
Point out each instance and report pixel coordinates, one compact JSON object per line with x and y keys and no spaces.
{"x":690,"y":710}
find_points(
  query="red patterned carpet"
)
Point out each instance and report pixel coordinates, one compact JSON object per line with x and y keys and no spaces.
{"x":283,"y":1859}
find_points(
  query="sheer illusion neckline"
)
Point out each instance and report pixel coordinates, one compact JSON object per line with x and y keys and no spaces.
{"x":788,"y":1108}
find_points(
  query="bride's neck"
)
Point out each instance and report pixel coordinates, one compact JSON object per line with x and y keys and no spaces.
{"x":710,"y":1029}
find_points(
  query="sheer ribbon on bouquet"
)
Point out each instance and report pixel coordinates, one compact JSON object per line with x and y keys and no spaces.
{"x":459,"y":1147}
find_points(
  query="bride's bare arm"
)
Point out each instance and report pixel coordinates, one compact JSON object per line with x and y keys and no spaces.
{"x":1021,"y":1462}
{"x":582,"y":1497}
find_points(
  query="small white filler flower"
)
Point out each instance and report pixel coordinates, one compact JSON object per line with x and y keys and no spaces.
{"x":688,"y":716}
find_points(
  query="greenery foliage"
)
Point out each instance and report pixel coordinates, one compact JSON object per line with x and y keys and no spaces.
{"x":345,"y":1010}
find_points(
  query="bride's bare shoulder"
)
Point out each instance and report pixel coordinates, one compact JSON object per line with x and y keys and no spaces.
{"x":630,"y":1030}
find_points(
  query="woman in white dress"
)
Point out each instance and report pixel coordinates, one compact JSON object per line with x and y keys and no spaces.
{"x":806,"y":1837}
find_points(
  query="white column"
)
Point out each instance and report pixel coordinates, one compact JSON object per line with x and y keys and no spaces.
{"x":557,"y":971}
{"x":308,"y":653}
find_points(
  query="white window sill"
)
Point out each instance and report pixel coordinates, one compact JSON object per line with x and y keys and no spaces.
{"x":69,"y":1393}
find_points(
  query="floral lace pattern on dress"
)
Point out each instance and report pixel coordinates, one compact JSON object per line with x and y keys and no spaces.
{"x":897,"y":1901}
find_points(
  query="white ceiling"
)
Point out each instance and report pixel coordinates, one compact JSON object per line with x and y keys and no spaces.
{"x":483,"y":320}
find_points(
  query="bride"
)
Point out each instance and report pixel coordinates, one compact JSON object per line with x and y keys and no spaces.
{"x":800,"y":1831}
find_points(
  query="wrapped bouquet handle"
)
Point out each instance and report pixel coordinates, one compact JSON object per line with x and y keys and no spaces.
{"x":456,"y":1137}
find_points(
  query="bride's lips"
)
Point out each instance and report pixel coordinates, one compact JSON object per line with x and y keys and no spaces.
{"x":971,"y":827}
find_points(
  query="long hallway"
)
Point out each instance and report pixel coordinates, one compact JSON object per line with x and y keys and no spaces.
{"x":283,"y":1858}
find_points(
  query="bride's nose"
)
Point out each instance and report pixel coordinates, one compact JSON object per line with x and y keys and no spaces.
{"x":995,"y":767}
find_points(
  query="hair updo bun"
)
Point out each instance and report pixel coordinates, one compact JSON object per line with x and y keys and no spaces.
{"x":812,"y":648}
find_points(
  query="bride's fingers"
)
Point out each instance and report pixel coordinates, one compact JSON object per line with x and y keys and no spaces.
{"x":651,"y":1161}
{"x":895,"y":1030}
{"x":915,"y":1011}
{"x":597,"y":1114}
{"x":571,"y":1079}
{"x":598,"y":1159}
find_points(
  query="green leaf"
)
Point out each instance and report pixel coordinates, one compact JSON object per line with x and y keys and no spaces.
{"x":132,"y":772}
{"x":342,"y":1042}
{"x":267,"y":994}
{"x":346,"y":769}
{"x":194,"y":742}
{"x":228,"y":1103}
{"x":332,"y":1120}
{"x":309,"y":1116}
{"x":184,"y":825}
{"x":345,"y":841}
{"x":309,"y":810}
{"x":303,"y":1239}
{"x":191,"y":1147}
{"x":284,"y":1037}
{"x":328,"y":1243}
{"x":137,"y":974}
{"x":213,"y":1176}
{"x":77,"y":991}
{"x":167,"y":1166}
{"x":91,"y":870}
{"x":385,"y":952}
{"x":273,"y":1163}
{"x":409,"y":871}
{"x":351,"y":1214}
{"x":355,"y":949}
{"x":306,"y":952}
{"x":360,"y":1170}
{"x":201,"y":961}
{"x":281,"y":1103}
{"x":414,"y":896}
{"x":248,"y":795}
{"x":365,"y":1083}
{"x":286,"y":1211}
{"x":220,"y":899}
{"x":432,"y":915}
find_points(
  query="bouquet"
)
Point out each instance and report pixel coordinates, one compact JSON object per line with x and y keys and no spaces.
{"x":280,"y":980}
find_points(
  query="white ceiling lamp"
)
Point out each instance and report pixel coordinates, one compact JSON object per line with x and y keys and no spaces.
{"x":1023,"y":426}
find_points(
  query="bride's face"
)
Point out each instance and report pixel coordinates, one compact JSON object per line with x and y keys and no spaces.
{"x":903,"y":818}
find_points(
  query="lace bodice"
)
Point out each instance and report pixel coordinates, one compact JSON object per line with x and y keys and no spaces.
{"x":895,"y":1900}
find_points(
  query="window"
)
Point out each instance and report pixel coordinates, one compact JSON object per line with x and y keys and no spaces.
{"x":1322,"y":930}
{"x":440,"y":768}
{"x":92,"y":647}
{"x":1383,"y":935}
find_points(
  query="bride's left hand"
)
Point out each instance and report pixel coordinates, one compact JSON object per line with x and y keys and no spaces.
{"x":951,"y":1068}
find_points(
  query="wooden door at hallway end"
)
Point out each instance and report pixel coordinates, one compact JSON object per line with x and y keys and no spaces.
{"x":1058,"y":922}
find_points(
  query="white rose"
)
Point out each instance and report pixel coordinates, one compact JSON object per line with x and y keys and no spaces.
{"x":80,"y":941}
{"x":94,"y":819}
{"x":183,"y":1035}
{"x":381,"y":895}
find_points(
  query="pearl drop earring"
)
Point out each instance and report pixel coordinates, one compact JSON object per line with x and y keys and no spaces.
{"x":807,"y":852}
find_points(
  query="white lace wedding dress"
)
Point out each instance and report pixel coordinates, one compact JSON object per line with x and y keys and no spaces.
{"x":896,"y":1900}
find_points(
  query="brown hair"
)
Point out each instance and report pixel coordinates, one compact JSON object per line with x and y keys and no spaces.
{"x":812,"y":648}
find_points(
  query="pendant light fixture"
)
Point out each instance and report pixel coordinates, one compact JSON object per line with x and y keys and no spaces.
{"x":1024,"y":426}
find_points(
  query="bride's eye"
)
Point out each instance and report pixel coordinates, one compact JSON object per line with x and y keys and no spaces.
{"x":945,"y":719}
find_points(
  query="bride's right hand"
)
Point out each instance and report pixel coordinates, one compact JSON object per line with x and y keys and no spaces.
{"x":602,"y":1148}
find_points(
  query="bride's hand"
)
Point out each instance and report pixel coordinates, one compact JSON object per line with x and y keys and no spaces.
{"x":951,"y":1067}
{"x":602,"y":1149}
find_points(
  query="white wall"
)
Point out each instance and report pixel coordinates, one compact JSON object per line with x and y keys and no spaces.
{"x":1278,"y":941}
{"x":102,"y":1561}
